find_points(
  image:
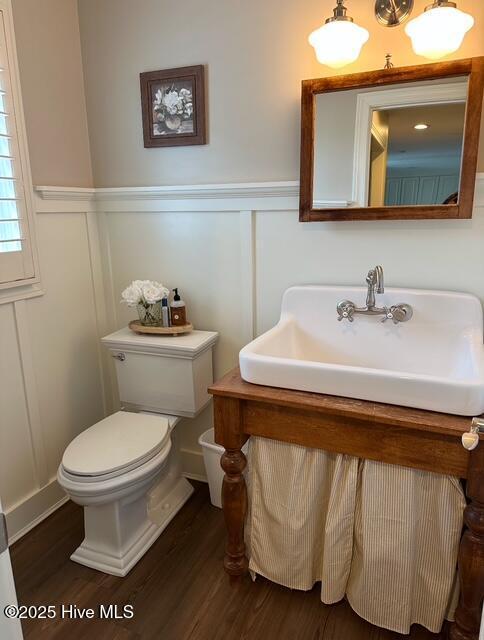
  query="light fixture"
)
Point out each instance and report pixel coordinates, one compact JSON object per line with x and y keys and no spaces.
{"x":339,"y":41}
{"x":391,"y":13}
{"x":421,"y":126}
{"x":439,"y":30}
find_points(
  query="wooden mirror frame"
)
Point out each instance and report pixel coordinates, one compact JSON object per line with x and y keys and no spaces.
{"x":473,"y":68}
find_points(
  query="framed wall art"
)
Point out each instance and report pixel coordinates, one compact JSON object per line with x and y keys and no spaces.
{"x":173,"y":107}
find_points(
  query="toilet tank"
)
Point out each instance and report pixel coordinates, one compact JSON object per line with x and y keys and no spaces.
{"x":165,"y":374}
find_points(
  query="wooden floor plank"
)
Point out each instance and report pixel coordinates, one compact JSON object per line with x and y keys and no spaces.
{"x":179,"y":590}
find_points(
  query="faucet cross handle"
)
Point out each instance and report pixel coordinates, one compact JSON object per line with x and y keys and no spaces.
{"x":398,"y":313}
{"x":346,"y":310}
{"x":389,"y":315}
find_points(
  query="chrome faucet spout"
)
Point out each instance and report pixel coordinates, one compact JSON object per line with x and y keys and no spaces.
{"x":380,"y":284}
{"x":375,"y":283}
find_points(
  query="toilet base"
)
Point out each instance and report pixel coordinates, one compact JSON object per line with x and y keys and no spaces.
{"x":118,"y":534}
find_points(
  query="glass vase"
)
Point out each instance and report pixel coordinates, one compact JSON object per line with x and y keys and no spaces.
{"x":150,"y":314}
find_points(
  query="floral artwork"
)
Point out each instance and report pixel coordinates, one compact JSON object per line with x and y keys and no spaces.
{"x":173,"y":109}
{"x":173,"y":104}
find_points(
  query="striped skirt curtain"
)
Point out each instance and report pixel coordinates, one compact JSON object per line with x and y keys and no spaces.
{"x":385,"y":537}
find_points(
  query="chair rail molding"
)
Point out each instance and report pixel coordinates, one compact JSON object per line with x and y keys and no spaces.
{"x":66,"y":193}
{"x":232,"y":198}
{"x":202,"y":191}
{"x":236,"y":197}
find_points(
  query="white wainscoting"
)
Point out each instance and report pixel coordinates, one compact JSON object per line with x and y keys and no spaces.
{"x":234,"y":249}
{"x":54,"y":381}
{"x":222,"y":249}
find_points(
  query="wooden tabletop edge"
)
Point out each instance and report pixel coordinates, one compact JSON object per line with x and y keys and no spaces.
{"x":232,"y":385}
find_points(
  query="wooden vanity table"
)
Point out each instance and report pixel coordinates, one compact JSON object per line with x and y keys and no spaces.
{"x":395,"y":435}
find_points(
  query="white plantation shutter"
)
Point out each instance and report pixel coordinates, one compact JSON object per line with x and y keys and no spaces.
{"x":16,"y":255}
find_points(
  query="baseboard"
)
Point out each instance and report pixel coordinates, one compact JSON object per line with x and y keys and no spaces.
{"x":193,"y":465}
{"x":27,"y":514}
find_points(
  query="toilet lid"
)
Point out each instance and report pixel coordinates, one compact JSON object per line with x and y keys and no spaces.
{"x":119,"y":441}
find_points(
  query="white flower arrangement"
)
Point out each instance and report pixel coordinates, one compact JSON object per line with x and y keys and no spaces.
{"x":144,"y":292}
{"x":171,"y":103}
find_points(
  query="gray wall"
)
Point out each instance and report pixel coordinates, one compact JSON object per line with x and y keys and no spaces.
{"x":257,"y":54}
{"x":49,"y":52}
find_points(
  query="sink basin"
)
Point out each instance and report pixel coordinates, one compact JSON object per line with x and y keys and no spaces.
{"x":434,"y":361}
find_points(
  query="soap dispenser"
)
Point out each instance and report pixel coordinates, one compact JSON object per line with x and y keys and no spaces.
{"x":178,"y":311}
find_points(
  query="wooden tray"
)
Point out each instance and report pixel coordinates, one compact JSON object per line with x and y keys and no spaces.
{"x":137,"y":327}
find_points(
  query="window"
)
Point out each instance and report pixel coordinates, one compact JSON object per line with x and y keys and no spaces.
{"x":17,"y":255}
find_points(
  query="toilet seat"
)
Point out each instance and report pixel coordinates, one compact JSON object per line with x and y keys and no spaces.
{"x":114,"y":446}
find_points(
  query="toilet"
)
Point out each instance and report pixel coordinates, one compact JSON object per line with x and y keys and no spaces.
{"x":125,"y":470}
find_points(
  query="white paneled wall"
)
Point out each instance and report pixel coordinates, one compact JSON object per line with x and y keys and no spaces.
{"x":50,"y":365}
{"x":18,"y":473}
{"x":200,"y":254}
{"x":64,"y":335}
{"x":432,"y":254}
{"x":233,"y":250}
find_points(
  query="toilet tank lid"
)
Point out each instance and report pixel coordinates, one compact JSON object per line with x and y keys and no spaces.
{"x":117,"y":442}
{"x":188,"y":346}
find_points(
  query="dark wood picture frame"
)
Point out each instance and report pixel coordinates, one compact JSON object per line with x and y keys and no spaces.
{"x":149,"y":80}
{"x":471,"y":67}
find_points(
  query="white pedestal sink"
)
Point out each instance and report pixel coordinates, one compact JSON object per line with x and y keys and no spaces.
{"x":434,"y":361}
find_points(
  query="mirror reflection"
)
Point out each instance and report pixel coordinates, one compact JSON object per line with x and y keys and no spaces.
{"x":415,"y":155}
{"x":398,"y":145}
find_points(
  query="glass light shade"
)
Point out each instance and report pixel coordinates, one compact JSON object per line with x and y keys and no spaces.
{"x":338,"y":43}
{"x":438,"y":31}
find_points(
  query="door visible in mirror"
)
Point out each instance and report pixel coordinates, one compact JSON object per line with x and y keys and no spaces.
{"x":415,"y":155}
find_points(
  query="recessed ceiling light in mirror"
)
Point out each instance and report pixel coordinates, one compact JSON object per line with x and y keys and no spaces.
{"x":421,"y":126}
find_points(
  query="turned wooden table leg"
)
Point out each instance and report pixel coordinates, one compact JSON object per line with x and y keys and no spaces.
{"x":471,"y":554}
{"x":234,"y":502}
{"x":229,"y":433}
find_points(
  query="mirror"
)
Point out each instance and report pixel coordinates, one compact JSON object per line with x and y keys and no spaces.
{"x":397,"y":143}
{"x":394,"y":146}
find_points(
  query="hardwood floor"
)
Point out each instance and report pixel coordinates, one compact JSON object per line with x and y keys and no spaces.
{"x":178,"y":590}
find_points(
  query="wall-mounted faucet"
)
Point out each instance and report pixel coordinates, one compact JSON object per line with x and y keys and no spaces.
{"x":397,"y":313}
{"x":375,"y":282}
